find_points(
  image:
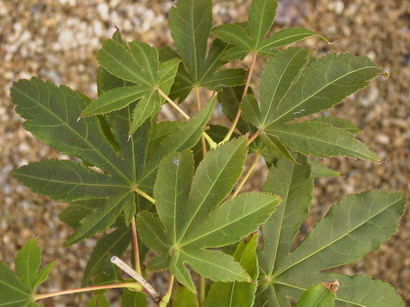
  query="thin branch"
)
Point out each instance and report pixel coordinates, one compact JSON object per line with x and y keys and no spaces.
{"x":211,"y":143}
{"x":135,"y":244}
{"x":246,"y":177}
{"x":132,"y":285}
{"x":145,"y":195}
{"x":245,"y":91}
{"x":127,"y":269}
{"x":198,"y":106}
{"x":166,"y":298}
{"x":176,"y":107}
{"x":253,"y":137}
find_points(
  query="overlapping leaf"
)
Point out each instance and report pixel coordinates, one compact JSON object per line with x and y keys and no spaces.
{"x":140,"y":66}
{"x":351,"y":229}
{"x":251,"y":37}
{"x":190,"y":23}
{"x":318,"y":295}
{"x":294,"y":86}
{"x":191,"y":219}
{"x":51,"y":114}
{"x":237,"y":294}
{"x":18,"y":291}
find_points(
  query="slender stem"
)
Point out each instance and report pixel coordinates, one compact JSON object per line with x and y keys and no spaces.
{"x":245,"y":91}
{"x":201,"y":290}
{"x":253,"y":137}
{"x":246,"y":177}
{"x":198,"y":106}
{"x":136,"y":248}
{"x":145,"y":195}
{"x":211,"y":143}
{"x":127,"y":269}
{"x":132,"y":285}
{"x":176,"y":107}
{"x":166,"y":298}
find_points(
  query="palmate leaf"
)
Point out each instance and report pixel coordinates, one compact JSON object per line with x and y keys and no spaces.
{"x":51,"y":114}
{"x":139,"y":65}
{"x":18,"y":291}
{"x":191,"y":219}
{"x":294,"y":86}
{"x":237,"y":293}
{"x":190,"y":23}
{"x":252,"y":38}
{"x":351,"y":229}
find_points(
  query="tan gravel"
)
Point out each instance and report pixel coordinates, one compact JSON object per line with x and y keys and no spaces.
{"x":57,"y":40}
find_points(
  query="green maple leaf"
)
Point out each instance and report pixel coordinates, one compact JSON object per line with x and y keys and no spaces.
{"x":352,"y":228}
{"x":192,"y":219}
{"x":190,"y":23}
{"x":294,"y":85}
{"x":51,"y":114}
{"x":18,"y":291}
{"x":237,"y":293}
{"x":251,"y":37}
{"x":144,"y":74}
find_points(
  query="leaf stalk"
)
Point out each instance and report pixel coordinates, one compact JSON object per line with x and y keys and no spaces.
{"x":145,"y":195}
{"x":245,"y":90}
{"x":135,"y":244}
{"x":247,"y":175}
{"x":131,"y":285}
{"x":167,"y":297}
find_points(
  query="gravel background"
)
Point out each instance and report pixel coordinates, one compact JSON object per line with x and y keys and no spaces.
{"x":57,"y":40}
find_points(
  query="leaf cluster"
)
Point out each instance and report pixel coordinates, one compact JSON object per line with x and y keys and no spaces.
{"x":180,"y":181}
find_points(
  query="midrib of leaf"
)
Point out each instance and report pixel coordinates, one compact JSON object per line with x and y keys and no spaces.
{"x":206,"y":196}
{"x":211,"y":263}
{"x":14,"y":302}
{"x":281,"y":39}
{"x":260,"y":26}
{"x":158,"y":237}
{"x":335,"y":240}
{"x":223,"y":226}
{"x":27,"y":266}
{"x":73,"y":183}
{"x":146,"y":62}
{"x":76,"y":133}
{"x":304,"y":289}
{"x":321,"y":89}
{"x":9,"y":286}
{"x":274,"y":294}
{"x":113,"y":243}
{"x":234,"y":283}
{"x":276,"y":88}
{"x":211,"y":66}
{"x":134,"y":166}
{"x":126,"y":68}
{"x":325,"y":142}
{"x":194,"y":41}
{"x":281,"y":223}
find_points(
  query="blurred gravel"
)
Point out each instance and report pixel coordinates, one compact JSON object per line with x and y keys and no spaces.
{"x":57,"y":40}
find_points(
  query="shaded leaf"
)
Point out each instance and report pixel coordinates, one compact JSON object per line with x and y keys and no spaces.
{"x":133,"y":299}
{"x":114,"y":243}
{"x":184,"y":298}
{"x":237,"y":293}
